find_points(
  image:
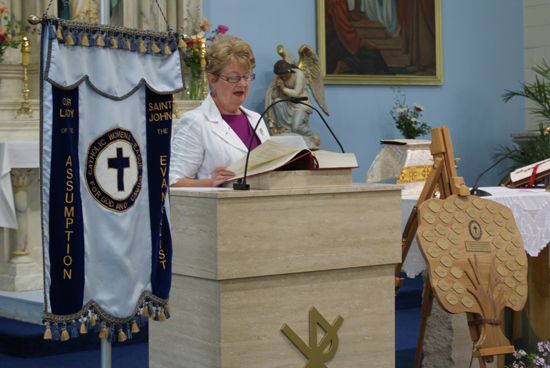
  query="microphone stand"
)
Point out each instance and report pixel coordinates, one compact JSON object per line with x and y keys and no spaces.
{"x":241,"y":183}
{"x":482,"y":193}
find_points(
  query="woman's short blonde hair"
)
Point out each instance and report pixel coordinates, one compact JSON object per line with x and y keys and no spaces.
{"x":226,"y":49}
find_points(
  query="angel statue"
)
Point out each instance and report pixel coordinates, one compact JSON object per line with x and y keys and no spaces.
{"x":291,"y":80}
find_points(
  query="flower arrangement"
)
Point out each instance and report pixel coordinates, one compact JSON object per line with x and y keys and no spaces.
{"x":406,"y":118}
{"x":11,"y":32}
{"x":522,"y":359}
{"x":199,"y":29}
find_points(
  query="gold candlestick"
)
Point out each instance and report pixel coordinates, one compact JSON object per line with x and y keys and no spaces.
{"x":202,"y":56}
{"x":26,"y":52}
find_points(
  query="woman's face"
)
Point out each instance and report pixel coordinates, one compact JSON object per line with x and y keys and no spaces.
{"x":230,"y":96}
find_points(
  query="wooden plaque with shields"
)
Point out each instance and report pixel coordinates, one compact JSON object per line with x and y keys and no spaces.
{"x":476,"y":261}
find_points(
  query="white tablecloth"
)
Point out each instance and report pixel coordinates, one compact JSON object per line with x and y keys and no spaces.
{"x":14,"y":154}
{"x":531,"y":209}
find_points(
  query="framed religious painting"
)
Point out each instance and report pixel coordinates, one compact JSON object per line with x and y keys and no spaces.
{"x":394,"y":42}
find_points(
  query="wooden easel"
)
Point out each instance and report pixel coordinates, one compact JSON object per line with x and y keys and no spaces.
{"x":443,"y":175}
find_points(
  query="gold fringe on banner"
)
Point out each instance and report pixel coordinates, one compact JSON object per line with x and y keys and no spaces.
{"x":121,"y":335}
{"x":99,"y":41}
{"x":128,"y":47}
{"x":142,"y":47}
{"x":48,"y":333}
{"x":83,"y":329}
{"x":114,"y":44}
{"x":154,"y":47}
{"x":64,"y":334}
{"x":135,"y":328}
{"x":167,"y":50}
{"x":69,"y":39}
{"x":103,"y":332}
{"x":85,"y":41}
{"x":58,"y":33}
{"x":181,"y":43}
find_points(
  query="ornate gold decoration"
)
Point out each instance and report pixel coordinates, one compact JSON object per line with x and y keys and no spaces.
{"x":25,"y":108}
{"x":317,"y":353}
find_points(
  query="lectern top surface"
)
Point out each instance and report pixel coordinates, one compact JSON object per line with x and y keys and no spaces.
{"x":229,"y":193}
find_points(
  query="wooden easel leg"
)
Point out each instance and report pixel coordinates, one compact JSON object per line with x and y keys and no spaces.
{"x":426,"y":311}
{"x":481,"y":362}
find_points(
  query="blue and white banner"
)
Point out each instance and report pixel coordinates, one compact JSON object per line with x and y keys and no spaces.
{"x":106,"y":110}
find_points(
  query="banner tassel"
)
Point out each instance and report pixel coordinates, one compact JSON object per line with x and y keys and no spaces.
{"x":83,"y":329}
{"x":140,"y":322}
{"x":64,"y":334}
{"x":99,"y":40}
{"x":134,"y":46}
{"x":114,"y":45}
{"x":144,"y":311}
{"x":74,"y":331}
{"x":103,"y":333}
{"x":128,"y":46}
{"x":51,"y":33}
{"x":112,"y":335}
{"x":167,"y":50}
{"x":69,"y":39}
{"x":92,"y":320}
{"x":166,"y":313}
{"x":85,"y":41}
{"x":181,"y":43}
{"x":168,"y":308}
{"x":121,"y":335}
{"x":150,"y":312}
{"x":142,"y":47}
{"x":48,"y":333}
{"x":58,"y":33}
{"x":122,"y":44}
{"x":156,"y":316}
{"x":129,"y":332}
{"x":135,"y":328}
{"x":55,"y":333}
{"x":154,"y":47}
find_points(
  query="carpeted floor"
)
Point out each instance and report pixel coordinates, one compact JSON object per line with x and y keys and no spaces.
{"x":22,"y":345}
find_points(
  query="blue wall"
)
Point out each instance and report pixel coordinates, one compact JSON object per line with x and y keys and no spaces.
{"x":482,"y":56}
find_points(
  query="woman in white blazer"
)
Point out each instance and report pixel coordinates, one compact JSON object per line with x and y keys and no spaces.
{"x":204,"y":143}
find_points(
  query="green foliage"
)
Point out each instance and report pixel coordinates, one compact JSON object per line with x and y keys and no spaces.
{"x":536,"y":150}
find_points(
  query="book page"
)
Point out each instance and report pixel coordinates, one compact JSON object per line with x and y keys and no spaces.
{"x":264,"y":153}
{"x":332,"y":160}
{"x":526,"y":171}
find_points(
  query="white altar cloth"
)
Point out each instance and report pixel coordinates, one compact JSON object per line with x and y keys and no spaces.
{"x":14,"y":154}
{"x":531,"y":209}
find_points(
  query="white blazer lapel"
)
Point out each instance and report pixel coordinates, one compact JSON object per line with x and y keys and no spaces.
{"x":219,"y":126}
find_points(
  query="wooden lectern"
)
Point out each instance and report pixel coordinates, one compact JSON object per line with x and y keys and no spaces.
{"x":247,"y":263}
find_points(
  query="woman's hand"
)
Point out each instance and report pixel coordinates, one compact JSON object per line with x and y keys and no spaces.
{"x":220,"y":175}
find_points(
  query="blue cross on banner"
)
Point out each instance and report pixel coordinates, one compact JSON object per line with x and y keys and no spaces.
{"x":106,"y":130}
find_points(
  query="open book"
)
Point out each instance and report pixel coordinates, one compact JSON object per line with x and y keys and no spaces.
{"x":523,"y":175}
{"x":271,"y":156}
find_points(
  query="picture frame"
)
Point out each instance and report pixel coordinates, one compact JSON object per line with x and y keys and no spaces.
{"x":406,"y":57}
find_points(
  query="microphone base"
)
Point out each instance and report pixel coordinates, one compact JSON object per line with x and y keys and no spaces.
{"x":480,"y":193}
{"x":241,"y":186}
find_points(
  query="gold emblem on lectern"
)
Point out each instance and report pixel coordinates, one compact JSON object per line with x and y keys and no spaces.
{"x":315,"y":352}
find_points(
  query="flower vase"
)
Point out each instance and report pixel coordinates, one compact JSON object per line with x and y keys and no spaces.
{"x":195,"y":85}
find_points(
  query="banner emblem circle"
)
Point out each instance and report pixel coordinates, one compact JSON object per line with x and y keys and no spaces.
{"x":114,"y":169}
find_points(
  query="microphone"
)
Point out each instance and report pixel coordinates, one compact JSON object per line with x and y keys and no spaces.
{"x":482,"y":193}
{"x":241,"y":183}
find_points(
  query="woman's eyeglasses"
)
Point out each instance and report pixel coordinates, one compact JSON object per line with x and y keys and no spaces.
{"x":236,"y":79}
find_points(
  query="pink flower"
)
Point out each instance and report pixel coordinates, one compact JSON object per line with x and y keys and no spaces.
{"x":3,"y":8}
{"x":223,"y":29}
{"x":204,"y":24}
{"x":3,"y":30}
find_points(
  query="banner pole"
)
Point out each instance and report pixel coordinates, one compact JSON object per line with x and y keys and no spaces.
{"x":104,"y":15}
